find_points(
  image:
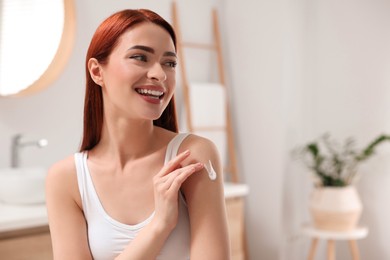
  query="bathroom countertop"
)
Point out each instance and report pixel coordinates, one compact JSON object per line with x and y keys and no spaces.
{"x":19,"y":217}
{"x":14,"y":217}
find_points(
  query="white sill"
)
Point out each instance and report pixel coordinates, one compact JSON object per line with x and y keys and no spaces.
{"x":233,"y":190}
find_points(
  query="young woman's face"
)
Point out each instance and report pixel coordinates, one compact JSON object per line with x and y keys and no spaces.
{"x":139,"y":78}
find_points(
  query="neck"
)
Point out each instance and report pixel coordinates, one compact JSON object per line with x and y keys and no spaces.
{"x":125,"y":139}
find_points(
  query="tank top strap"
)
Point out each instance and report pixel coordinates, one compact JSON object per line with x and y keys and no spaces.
{"x":81,"y":175}
{"x":174,"y":145}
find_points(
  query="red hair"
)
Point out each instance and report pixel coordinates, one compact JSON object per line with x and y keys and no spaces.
{"x":103,"y":42}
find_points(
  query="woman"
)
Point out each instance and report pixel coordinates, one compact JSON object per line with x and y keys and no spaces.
{"x":137,"y":189}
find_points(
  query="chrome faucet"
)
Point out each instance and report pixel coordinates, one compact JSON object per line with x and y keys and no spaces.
{"x":17,"y":144}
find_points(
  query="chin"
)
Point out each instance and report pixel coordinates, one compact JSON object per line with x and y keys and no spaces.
{"x":153,"y":116}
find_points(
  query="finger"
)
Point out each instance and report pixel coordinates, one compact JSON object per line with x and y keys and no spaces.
{"x":177,"y":178}
{"x":177,"y":182}
{"x":174,"y":163}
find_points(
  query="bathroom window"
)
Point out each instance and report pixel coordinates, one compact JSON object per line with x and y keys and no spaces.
{"x":30,"y":34}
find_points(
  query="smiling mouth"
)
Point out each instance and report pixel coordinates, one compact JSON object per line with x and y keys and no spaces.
{"x":156,"y":94}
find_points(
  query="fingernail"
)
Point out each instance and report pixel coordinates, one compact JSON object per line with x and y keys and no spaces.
{"x":199,"y":165}
{"x":186,"y":152}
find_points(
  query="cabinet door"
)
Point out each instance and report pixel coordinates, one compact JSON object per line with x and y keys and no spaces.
{"x":31,"y":247}
{"x":235,"y":214}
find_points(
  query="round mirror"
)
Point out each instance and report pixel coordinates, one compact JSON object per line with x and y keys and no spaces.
{"x":36,"y":39}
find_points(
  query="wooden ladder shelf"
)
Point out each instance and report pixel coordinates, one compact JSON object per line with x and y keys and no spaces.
{"x":231,"y":168}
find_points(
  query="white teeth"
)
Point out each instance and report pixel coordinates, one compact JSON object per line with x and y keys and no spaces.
{"x":150,"y":92}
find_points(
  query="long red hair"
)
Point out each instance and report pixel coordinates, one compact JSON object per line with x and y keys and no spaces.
{"x":103,"y":42}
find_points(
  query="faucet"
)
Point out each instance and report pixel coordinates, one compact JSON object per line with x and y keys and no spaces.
{"x":17,"y":144}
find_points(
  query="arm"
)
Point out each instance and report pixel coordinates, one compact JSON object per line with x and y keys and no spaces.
{"x":206,"y":204}
{"x":66,"y":220}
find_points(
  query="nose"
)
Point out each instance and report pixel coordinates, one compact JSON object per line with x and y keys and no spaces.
{"x":156,"y":72}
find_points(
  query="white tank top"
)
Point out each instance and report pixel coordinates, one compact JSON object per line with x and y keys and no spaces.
{"x":108,"y":237}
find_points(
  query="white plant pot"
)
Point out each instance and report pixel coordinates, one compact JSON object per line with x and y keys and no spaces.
{"x":335,"y":208}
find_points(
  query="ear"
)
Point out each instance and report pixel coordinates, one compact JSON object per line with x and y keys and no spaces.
{"x":95,"y":70}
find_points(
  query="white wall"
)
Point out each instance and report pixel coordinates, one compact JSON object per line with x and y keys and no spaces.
{"x":296,"y":68}
{"x":301,"y":68}
{"x":255,"y":49}
{"x":350,"y":66}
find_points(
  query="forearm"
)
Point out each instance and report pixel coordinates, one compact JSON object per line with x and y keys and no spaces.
{"x":147,"y":244}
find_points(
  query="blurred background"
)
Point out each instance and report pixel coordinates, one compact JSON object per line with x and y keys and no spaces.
{"x":295,"y":69}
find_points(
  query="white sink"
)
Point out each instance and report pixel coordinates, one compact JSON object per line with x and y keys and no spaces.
{"x":22,"y":186}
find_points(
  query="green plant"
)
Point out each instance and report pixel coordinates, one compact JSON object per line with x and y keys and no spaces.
{"x":335,"y":164}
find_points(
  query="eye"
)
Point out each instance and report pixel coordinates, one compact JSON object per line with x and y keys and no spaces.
{"x":139,"y":57}
{"x":171,"y":64}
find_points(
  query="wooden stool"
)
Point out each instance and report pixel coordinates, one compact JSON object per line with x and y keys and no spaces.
{"x":331,"y":236}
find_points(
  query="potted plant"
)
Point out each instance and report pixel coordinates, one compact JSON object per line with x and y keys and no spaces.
{"x":335,"y":204}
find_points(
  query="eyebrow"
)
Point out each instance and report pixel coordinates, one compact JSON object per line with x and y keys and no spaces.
{"x":151,"y":50}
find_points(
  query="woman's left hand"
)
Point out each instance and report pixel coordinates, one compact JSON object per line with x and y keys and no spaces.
{"x":167,"y":184}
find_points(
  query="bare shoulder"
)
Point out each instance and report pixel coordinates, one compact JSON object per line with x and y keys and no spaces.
{"x":62,"y":169}
{"x":62,"y":179}
{"x":205,"y":151}
{"x":201,"y":148}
